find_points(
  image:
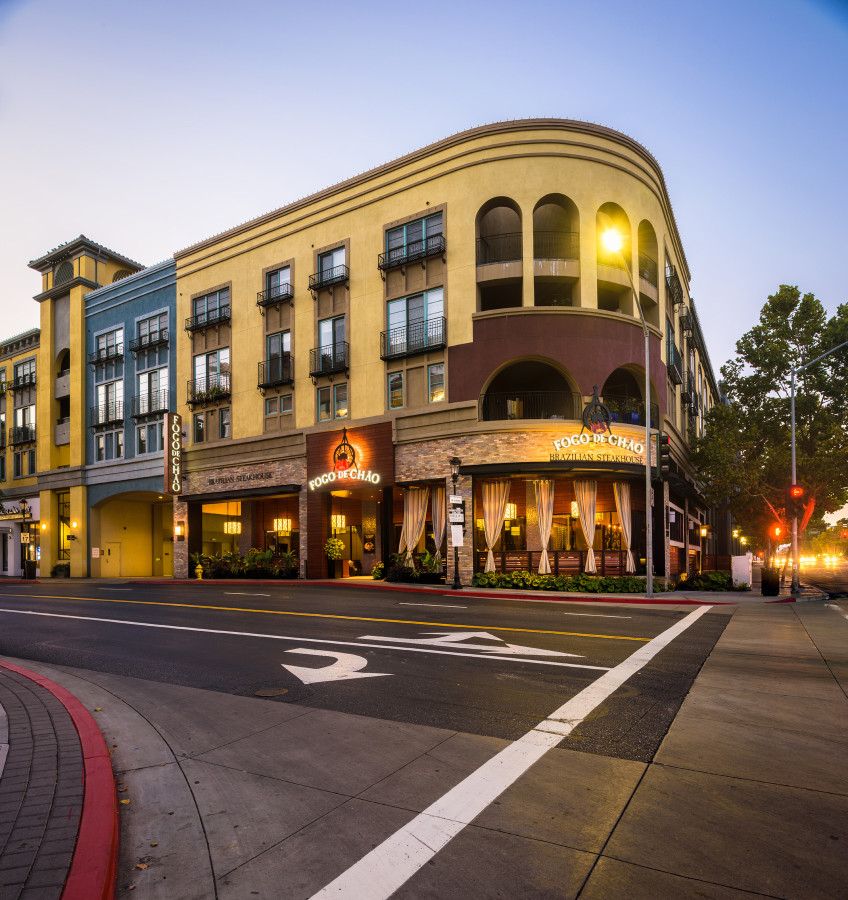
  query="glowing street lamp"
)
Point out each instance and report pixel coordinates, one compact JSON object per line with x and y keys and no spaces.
{"x":613,"y":242}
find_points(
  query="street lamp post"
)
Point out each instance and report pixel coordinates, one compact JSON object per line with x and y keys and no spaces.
{"x":455,"y":463}
{"x":796,"y":582}
{"x":613,"y":243}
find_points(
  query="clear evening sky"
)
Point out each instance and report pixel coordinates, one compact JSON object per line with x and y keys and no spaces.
{"x":150,"y":126}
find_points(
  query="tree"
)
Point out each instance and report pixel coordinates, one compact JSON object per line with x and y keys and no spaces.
{"x":745,"y":456}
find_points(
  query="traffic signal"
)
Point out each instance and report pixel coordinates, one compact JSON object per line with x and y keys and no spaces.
{"x":665,"y":454}
{"x":795,"y":496}
{"x":777,"y":532}
{"x":845,"y":532}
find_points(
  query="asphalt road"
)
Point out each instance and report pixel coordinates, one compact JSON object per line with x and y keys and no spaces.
{"x":831,"y":578}
{"x":487,"y":667}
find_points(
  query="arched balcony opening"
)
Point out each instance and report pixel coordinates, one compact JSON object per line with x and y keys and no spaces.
{"x":62,"y":398}
{"x":614,"y":291}
{"x":529,"y":389}
{"x":499,"y":254}
{"x":556,"y":251}
{"x":648,"y":281}
{"x":623,"y":394}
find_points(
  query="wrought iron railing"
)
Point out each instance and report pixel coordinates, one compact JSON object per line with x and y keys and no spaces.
{"x":497,"y":248}
{"x":675,"y":289}
{"x":277,"y":294}
{"x":675,"y":363}
{"x":648,"y":269}
{"x":106,"y":414}
{"x":328,"y":277}
{"x":686,"y":320}
{"x":206,"y":319}
{"x":149,"y":341}
{"x":503,"y":405}
{"x":689,"y":389}
{"x":556,"y":245}
{"x":630,"y":411}
{"x":277,"y":370}
{"x":209,"y":389}
{"x":329,"y":359}
{"x":106,"y":354}
{"x":417,"y":337}
{"x":22,"y":381}
{"x":22,"y":434}
{"x":150,"y":404}
{"x":400,"y":256}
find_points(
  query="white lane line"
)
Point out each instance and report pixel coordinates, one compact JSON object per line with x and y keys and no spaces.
{"x":391,"y":864}
{"x":285,"y":637}
{"x":436,"y":605}
{"x":244,"y":594}
{"x":597,"y":616}
{"x":114,"y":589}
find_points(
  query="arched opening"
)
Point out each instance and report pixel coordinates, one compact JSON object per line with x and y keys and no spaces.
{"x":499,"y":254}
{"x":556,"y":251}
{"x":623,"y":394}
{"x":121,"y":274}
{"x":64,"y":273}
{"x":63,"y":363}
{"x":614,"y":291}
{"x":529,"y":389}
{"x":649,"y":272}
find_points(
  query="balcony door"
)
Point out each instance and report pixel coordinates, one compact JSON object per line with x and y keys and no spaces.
{"x":331,"y":337}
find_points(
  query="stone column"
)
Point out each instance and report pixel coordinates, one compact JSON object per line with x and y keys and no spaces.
{"x":181,"y":558}
{"x":302,"y":526}
{"x":464,"y":489}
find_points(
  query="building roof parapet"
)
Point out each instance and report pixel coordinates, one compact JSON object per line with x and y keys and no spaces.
{"x":20,"y":343}
{"x":78,"y":244}
{"x":133,"y":286}
{"x":702,"y":347}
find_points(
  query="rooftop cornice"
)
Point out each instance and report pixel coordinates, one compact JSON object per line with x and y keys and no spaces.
{"x":65,"y":288}
{"x":78,"y":245}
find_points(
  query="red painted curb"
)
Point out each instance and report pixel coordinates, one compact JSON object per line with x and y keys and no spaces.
{"x":94,"y":866}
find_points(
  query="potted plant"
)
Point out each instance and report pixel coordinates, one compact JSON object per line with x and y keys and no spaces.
{"x":333,"y":550}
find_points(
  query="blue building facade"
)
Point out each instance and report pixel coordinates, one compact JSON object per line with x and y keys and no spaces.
{"x":131,"y":354}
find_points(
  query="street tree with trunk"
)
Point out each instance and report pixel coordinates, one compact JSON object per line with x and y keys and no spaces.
{"x":745,"y":456}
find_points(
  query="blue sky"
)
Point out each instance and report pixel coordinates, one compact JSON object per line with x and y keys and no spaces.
{"x":149,"y":127}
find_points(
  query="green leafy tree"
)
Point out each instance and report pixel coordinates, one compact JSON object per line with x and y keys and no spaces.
{"x":745,"y":456}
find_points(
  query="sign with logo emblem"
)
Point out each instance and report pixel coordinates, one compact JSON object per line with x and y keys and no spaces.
{"x":173,"y":453}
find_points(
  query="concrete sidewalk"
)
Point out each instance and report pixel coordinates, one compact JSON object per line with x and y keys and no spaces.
{"x":235,"y":797}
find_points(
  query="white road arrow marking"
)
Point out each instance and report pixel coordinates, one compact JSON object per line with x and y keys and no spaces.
{"x":346,"y":667}
{"x":458,"y":639}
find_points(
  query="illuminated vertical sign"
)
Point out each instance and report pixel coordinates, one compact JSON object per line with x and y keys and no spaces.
{"x":173,"y":453}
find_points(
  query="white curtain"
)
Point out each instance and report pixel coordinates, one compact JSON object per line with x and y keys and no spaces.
{"x":438,"y":513}
{"x":545,"y":509}
{"x":586,"y":493}
{"x":414,"y":514}
{"x":495,"y":496}
{"x":622,"y":505}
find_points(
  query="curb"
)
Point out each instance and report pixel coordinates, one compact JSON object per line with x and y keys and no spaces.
{"x":93,"y":870}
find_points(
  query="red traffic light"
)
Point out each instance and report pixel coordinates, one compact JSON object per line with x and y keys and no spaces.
{"x":845,"y":533}
{"x":795,"y":494}
{"x":777,"y":531}
{"x":796,"y":491}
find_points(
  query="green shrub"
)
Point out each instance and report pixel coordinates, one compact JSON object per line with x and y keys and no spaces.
{"x":334,"y":548}
{"x":378,"y":571}
{"x":581,"y":582}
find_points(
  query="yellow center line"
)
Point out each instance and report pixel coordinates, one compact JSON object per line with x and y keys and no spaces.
{"x":310,"y":615}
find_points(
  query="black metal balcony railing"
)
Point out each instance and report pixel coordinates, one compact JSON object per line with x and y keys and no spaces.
{"x":329,"y":277}
{"x":277,"y":370}
{"x":414,"y":250}
{"x":277,"y":294}
{"x":330,"y":359}
{"x":688,"y":391}
{"x":106,"y":354}
{"x":106,"y":414}
{"x":207,"y":319}
{"x":411,"y":339}
{"x":631,"y":411}
{"x":498,"y":248}
{"x":672,"y":281}
{"x":23,"y":381}
{"x":22,"y":434}
{"x":556,"y":245}
{"x":648,"y":269}
{"x":150,"y":404}
{"x":500,"y":406}
{"x":686,"y":320}
{"x":210,"y":389}
{"x":675,"y":363}
{"x":149,"y":341}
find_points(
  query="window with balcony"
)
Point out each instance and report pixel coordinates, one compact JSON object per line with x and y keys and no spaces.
{"x":277,"y":287}
{"x":109,"y":406}
{"x":416,"y":324}
{"x":211,"y":309}
{"x":415,"y":240}
{"x":277,"y":367}
{"x":211,"y":377}
{"x":108,"y":346}
{"x":150,"y":333}
{"x":23,"y":430}
{"x":24,"y":373}
{"x":332,"y":402}
{"x":152,"y":396}
{"x":332,"y":354}
{"x":332,"y":269}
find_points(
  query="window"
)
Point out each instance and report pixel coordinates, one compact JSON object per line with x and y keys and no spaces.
{"x":25,"y":416}
{"x":18,"y":464}
{"x":110,"y":402}
{"x":25,"y":372}
{"x":327,"y":262}
{"x":150,"y":329}
{"x":278,"y":283}
{"x":413,"y":238}
{"x":141,"y":440}
{"x":31,"y":470}
{"x":224,"y":423}
{"x":212,"y":370}
{"x":110,"y":344}
{"x":331,"y":337}
{"x":395,"y":390}
{"x":275,"y":405}
{"x":332,"y":402}
{"x":436,"y":382}
{"x":208,"y":308}
{"x":100,"y":447}
{"x":119,"y":445}
{"x":198,"y":428}
{"x":2,"y":467}
{"x":286,"y":403}
{"x":152,"y":390}
{"x":416,"y":322}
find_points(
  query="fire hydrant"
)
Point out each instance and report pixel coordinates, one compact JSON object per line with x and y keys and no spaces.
{"x":198,"y":572}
